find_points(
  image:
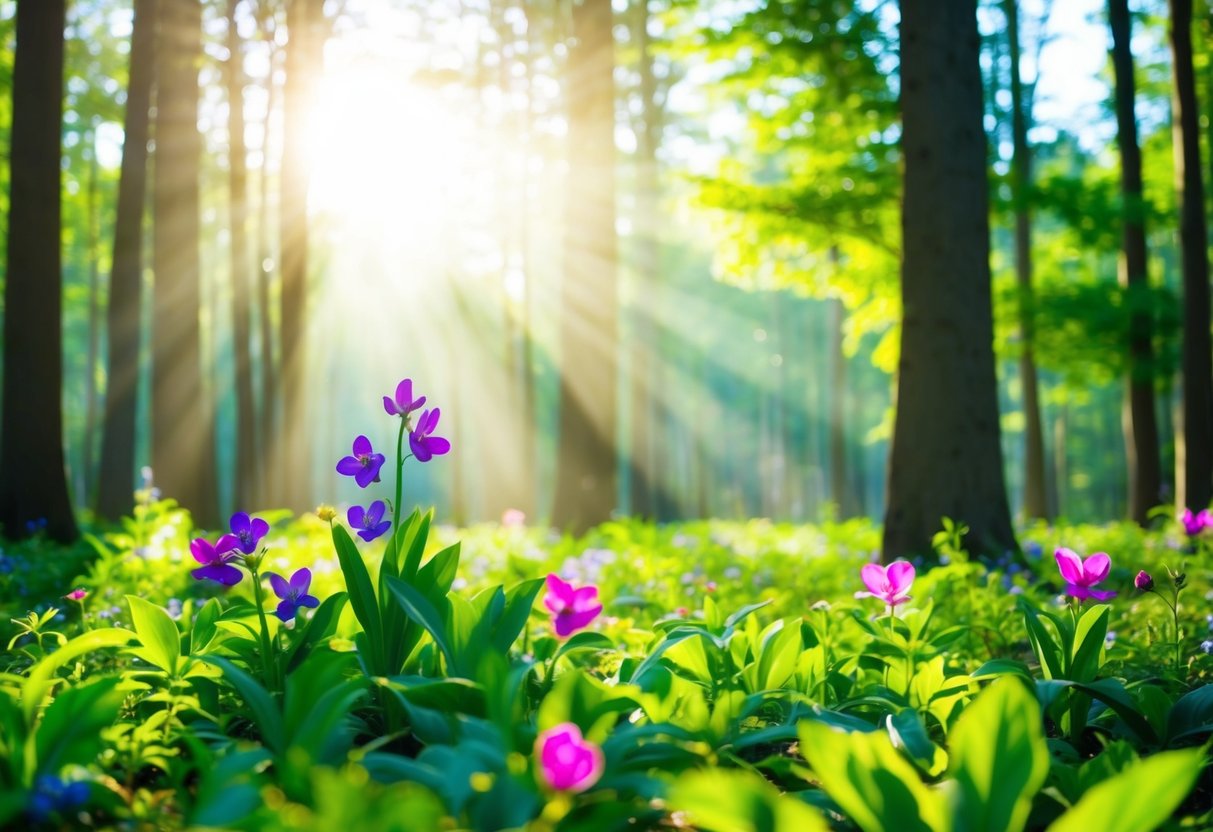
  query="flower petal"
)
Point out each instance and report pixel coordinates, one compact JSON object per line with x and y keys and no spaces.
{"x":281,"y":587}
{"x":309,"y":601}
{"x":260,"y":528}
{"x":223,"y":573}
{"x":349,"y":466}
{"x":362,"y":446}
{"x":286,"y":610}
{"x":1101,"y":594}
{"x":374,"y":514}
{"x":390,"y":406}
{"x":437,"y":445}
{"x":569,"y":622}
{"x":900,"y":575}
{"x":1069,"y":564}
{"x":584,"y":598}
{"x":239,"y":523}
{"x":1095,"y":568}
{"x":227,"y":544}
{"x":301,"y":580}
{"x":404,"y":394}
{"x":202,"y":550}
{"x":420,"y":451}
{"x":355,"y":516}
{"x":875,"y":579}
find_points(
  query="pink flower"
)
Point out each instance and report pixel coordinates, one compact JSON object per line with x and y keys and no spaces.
{"x":1194,"y":524}
{"x":572,"y":609}
{"x":512,"y":518}
{"x":78,"y":594}
{"x":1081,"y":576}
{"x":567,"y":762}
{"x":888,"y":583}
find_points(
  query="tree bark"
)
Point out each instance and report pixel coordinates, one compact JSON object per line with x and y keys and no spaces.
{"x":1194,"y":438}
{"x":117,"y":473}
{"x":241,"y":271}
{"x":1139,"y":420}
{"x":33,"y":479}
{"x":268,"y":477}
{"x":586,"y":471}
{"x":1035,"y":499}
{"x":87,"y":477}
{"x":946,"y":459}
{"x":183,"y":440}
{"x":839,"y":480}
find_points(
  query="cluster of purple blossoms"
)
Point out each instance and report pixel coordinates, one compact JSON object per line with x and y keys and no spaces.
{"x":364,"y":464}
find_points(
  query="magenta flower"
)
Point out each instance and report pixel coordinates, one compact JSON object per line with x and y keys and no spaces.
{"x":404,"y":403}
{"x":425,"y":446}
{"x":1081,"y":576}
{"x":78,"y":594}
{"x":293,"y":593}
{"x":369,"y":523}
{"x":1194,"y":524}
{"x":1144,"y":581}
{"x":888,"y":583}
{"x":216,"y":560}
{"x":248,"y":531}
{"x":571,"y":609}
{"x":364,"y":465}
{"x":568,"y":762}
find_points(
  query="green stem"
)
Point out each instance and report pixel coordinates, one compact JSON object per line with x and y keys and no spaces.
{"x":268,"y":656}
{"x":399,"y":475}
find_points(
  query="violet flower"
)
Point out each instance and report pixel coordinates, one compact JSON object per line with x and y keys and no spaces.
{"x":423,"y":445}
{"x":567,"y":761}
{"x":293,"y":593}
{"x":216,"y":560}
{"x":364,"y":465}
{"x":1144,"y":581}
{"x":571,"y":609}
{"x":369,"y":522}
{"x":890,"y":584}
{"x":248,"y":531}
{"x":1081,"y":576}
{"x":1196,"y":523}
{"x":404,"y":403}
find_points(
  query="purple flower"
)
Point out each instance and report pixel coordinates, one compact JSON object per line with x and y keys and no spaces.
{"x":568,"y":762}
{"x":571,"y":609}
{"x":369,"y":523}
{"x":364,"y":465}
{"x":1194,"y":524}
{"x":248,"y":531}
{"x":52,"y":795}
{"x":888,"y":583}
{"x":404,"y":403}
{"x":1143,"y":581}
{"x":424,"y":445}
{"x":78,"y":594}
{"x":293,"y":594}
{"x":1081,"y":576}
{"x":216,"y":559}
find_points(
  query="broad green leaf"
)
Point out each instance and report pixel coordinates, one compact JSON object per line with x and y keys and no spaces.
{"x":1089,"y":635}
{"x":1049,"y":653}
{"x":519,"y":600}
{"x":1192,"y":714}
{"x":1002,"y":667}
{"x":998,"y":758}
{"x":361,"y":594}
{"x":727,"y":800}
{"x":418,"y":608}
{"x":321,"y":626}
{"x":265,"y":712}
{"x":436,"y":577}
{"x":908,"y":733}
{"x":1141,"y":797}
{"x":870,"y":781}
{"x":203,"y":630}
{"x":158,"y":634}
{"x":70,"y":730}
{"x":39,"y":682}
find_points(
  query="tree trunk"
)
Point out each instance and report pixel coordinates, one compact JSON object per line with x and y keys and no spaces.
{"x":304,"y":55}
{"x":1139,"y":421}
{"x":946,"y":459}
{"x":268,"y":478}
{"x":246,"y":454}
{"x":117,"y":474}
{"x":1035,"y":501}
{"x":839,"y":490}
{"x":183,"y":440}
{"x":87,"y":478}
{"x":33,"y":479}
{"x":586,"y":470}
{"x":1194,"y":440}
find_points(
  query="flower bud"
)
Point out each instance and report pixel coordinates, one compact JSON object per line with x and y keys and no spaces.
{"x":326,"y":513}
{"x":1143,"y":581}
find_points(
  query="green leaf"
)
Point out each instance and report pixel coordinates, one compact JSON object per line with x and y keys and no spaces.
{"x":158,"y":634}
{"x":418,"y":608}
{"x":1049,"y":653}
{"x":414,"y":543}
{"x":39,"y":682}
{"x":1192,"y":714}
{"x":449,"y":695}
{"x":1111,"y":693}
{"x":907,"y":732}
{"x":583,"y":641}
{"x":1141,"y":797}
{"x":1089,"y":635}
{"x":203,"y":631}
{"x":725,"y":800}
{"x":321,"y":626}
{"x":999,"y":758}
{"x":70,"y":730}
{"x":362,"y":596}
{"x":1002,"y":667}
{"x":436,"y":577}
{"x":870,"y":781}
{"x":519,"y":601}
{"x":266,"y":715}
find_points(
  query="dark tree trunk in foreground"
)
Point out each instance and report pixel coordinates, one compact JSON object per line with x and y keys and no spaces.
{"x":304,"y":55}
{"x":183,"y":441}
{"x":586,"y":472}
{"x":1139,"y":420}
{"x":246,"y":425}
{"x":33,"y":482}
{"x":116,"y":482}
{"x":945,"y":459}
{"x":1035,"y":495}
{"x":1194,"y":438}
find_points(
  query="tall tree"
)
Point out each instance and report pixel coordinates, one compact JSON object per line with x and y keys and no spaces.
{"x":246,"y":420}
{"x":946,"y":459}
{"x":33,"y":481}
{"x":116,"y":478}
{"x":1035,"y":496}
{"x":304,"y":53}
{"x":1139,"y":420}
{"x":183,"y":439}
{"x":1194,"y":437}
{"x":586,"y":474}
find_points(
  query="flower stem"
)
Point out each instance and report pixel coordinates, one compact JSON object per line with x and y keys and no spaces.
{"x":267,"y":653}
{"x":396,"y":507}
